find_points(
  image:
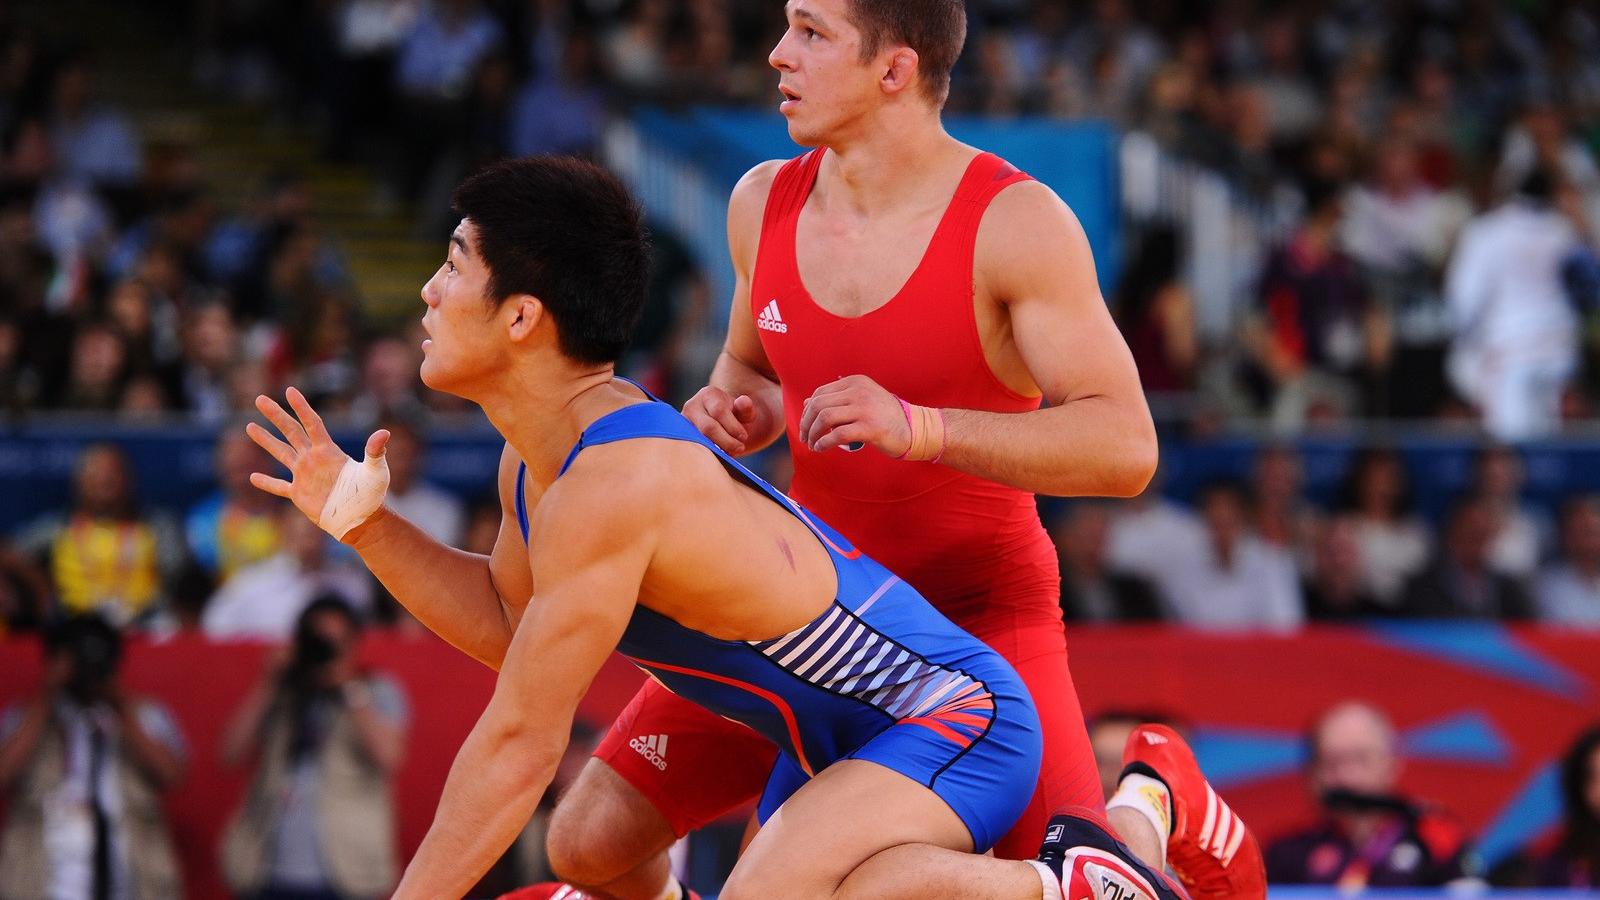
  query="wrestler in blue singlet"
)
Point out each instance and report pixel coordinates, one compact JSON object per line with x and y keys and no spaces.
{"x":879,"y":676}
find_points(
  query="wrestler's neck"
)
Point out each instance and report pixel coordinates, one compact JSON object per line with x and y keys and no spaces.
{"x":878,"y":161}
{"x":542,"y":403}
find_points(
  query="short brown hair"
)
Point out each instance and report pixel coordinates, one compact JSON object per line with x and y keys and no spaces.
{"x":936,"y":29}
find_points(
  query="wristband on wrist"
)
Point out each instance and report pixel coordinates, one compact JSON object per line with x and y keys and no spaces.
{"x":927,"y":427}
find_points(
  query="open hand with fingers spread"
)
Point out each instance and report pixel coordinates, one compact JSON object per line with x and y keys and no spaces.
{"x":333,"y":490}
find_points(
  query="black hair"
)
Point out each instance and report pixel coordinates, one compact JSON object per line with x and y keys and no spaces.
{"x":1580,"y":839}
{"x":1322,"y":194}
{"x":567,"y":232}
{"x":1365,"y":459}
{"x":1538,"y":186}
{"x":93,"y":643}
{"x":326,"y":602}
{"x":85,"y":627}
{"x":1154,"y":267}
{"x":1225,"y":486}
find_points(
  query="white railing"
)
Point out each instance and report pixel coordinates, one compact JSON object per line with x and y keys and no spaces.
{"x":676,"y":193}
{"x":1226,"y":235}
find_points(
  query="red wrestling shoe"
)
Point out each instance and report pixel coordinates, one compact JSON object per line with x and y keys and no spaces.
{"x":1210,"y":848}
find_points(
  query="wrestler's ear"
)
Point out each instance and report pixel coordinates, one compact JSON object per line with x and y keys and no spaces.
{"x":522,"y":314}
{"x":901,"y":72}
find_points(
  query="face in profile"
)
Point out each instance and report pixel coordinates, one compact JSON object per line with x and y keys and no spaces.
{"x":463,"y":343}
{"x":825,"y":85}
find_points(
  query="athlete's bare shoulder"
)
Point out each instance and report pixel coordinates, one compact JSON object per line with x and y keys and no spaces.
{"x":755,"y":184}
{"x":623,"y":485}
{"x":1028,"y":206}
{"x":746,"y":207}
{"x":1028,"y":233}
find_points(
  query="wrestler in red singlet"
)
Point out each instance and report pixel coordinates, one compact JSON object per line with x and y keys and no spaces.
{"x":973,"y":547}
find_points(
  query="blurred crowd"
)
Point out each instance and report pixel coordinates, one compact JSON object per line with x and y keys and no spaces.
{"x":1424,"y":172}
{"x":1257,"y":554}
{"x":1438,"y":157}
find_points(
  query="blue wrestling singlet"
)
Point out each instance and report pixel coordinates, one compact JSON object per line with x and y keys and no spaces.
{"x":879,"y":676}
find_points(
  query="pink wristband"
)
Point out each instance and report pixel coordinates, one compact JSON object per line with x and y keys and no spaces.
{"x":911,"y":428}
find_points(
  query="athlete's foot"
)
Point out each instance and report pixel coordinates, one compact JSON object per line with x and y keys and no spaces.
{"x":1090,"y":864}
{"x":1210,"y":848}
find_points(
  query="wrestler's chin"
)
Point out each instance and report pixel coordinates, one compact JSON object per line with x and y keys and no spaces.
{"x":435,"y":376}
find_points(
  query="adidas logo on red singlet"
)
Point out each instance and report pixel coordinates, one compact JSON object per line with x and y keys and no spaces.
{"x":769,"y":319}
{"x":653,"y":748}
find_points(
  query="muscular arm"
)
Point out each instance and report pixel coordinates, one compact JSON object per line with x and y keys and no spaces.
{"x":470,"y":600}
{"x":742,"y":369}
{"x":1096,"y":437}
{"x":594,"y":541}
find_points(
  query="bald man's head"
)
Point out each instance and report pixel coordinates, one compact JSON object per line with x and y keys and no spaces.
{"x":1354,"y":747}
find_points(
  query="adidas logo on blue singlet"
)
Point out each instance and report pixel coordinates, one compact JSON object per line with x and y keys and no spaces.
{"x":769,"y":320}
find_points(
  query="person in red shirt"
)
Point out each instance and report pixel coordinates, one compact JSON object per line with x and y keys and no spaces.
{"x":926,"y":305}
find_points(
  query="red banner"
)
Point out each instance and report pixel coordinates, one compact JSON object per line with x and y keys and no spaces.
{"x":1484,"y":712}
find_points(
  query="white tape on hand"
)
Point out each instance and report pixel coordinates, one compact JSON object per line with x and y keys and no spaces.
{"x":355,"y":496}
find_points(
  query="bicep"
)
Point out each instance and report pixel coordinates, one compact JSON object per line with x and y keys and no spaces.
{"x":743,"y":344}
{"x":588,"y":562}
{"x":746,"y":210}
{"x":1040,"y":266}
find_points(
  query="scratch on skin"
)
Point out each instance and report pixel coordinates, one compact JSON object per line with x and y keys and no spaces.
{"x":783,"y":544}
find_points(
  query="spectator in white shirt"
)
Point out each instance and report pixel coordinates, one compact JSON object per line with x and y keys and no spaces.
{"x":1519,"y":539}
{"x":1235,"y":580}
{"x":263,"y":601}
{"x":1395,"y":545}
{"x":1149,"y":531}
{"x":1568,"y":591}
{"x":1516,"y":332}
{"x":440,"y":514}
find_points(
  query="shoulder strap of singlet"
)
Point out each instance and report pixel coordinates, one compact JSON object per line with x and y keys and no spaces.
{"x":787,"y":196}
{"x":790,"y":188}
{"x":986,"y":177}
{"x":656,"y":419}
{"x":522,"y":467}
{"x":954,"y":243}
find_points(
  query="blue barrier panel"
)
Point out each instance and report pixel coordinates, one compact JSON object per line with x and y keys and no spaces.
{"x":173,"y":465}
{"x":1076,"y":159}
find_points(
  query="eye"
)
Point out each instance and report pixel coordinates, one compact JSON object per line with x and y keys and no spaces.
{"x":450,"y":265}
{"x":811,"y":33}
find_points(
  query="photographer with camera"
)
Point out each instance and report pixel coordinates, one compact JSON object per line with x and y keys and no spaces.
{"x":85,"y":765}
{"x":318,"y":820}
